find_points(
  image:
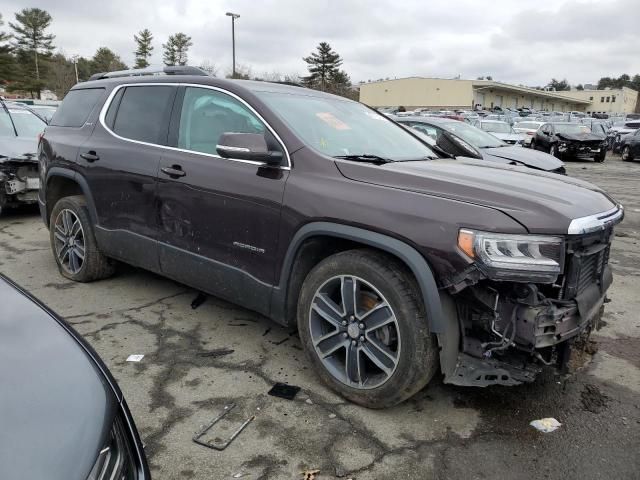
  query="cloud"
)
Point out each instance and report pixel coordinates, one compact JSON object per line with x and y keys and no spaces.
{"x":581,"y":40}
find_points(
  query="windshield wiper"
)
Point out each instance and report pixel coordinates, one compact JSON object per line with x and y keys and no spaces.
{"x":365,"y":157}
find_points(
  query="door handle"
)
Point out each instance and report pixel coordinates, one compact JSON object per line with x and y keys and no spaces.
{"x":90,"y":156}
{"x":174,"y":171}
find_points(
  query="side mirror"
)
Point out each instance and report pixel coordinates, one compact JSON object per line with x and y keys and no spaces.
{"x":247,"y":146}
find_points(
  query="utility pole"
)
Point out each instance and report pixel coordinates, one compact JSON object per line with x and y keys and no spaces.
{"x":233,"y":16}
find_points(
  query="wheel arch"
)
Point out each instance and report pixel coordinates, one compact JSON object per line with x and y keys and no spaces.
{"x":61,"y":183}
{"x":285,"y":294}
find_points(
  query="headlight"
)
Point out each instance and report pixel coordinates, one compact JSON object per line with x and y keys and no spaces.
{"x":115,"y":460}
{"x":519,"y":258}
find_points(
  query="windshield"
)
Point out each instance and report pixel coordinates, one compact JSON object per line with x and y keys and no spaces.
{"x":473,"y":135}
{"x":497,"y":127}
{"x":341,"y":127}
{"x":571,"y":128}
{"x":26,"y":123}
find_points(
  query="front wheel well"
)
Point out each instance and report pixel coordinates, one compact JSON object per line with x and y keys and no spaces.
{"x":311,"y":252}
{"x":57,"y":188}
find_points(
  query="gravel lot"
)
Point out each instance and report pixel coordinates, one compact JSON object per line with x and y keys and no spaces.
{"x":444,"y":432}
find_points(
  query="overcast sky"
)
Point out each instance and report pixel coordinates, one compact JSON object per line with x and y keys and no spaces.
{"x":512,"y":40}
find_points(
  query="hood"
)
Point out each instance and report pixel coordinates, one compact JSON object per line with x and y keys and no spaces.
{"x":580,"y":137}
{"x":57,"y":405}
{"x":523,"y":156}
{"x":507,"y":136}
{"x":542,"y":202}
{"x":19,"y":148}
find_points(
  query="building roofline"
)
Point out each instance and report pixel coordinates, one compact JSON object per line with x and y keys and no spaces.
{"x":494,"y":84}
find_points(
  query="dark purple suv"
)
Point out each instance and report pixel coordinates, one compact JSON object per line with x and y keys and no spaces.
{"x":320,"y":213}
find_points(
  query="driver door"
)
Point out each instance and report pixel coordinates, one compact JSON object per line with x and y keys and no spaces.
{"x":218,"y":217}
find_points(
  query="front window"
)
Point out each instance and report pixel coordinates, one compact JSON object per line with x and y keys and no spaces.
{"x":337,"y":127}
{"x":496,"y":127}
{"x":207,"y":114}
{"x":473,"y":135}
{"x":26,"y":123}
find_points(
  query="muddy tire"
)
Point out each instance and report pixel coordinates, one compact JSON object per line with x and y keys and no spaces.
{"x":74,"y":244}
{"x":363,"y":325}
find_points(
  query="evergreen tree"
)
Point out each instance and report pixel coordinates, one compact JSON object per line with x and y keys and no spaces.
{"x":6,"y":59}
{"x":143,"y":52}
{"x":30,"y":35}
{"x":105,"y":60}
{"x":176,"y":48}
{"x":322,"y":64}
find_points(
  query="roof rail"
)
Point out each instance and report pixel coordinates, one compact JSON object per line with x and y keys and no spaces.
{"x":137,"y":72}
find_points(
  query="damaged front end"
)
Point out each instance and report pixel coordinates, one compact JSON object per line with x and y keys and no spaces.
{"x":514,"y":321}
{"x":19,"y":181}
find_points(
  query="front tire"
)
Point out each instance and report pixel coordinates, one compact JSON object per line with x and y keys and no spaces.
{"x":626,"y":154}
{"x":74,"y":244}
{"x":553,"y":151}
{"x":363,"y":325}
{"x":533,"y":144}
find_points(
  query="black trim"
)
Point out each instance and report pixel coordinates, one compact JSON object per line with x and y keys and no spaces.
{"x":409,"y":255}
{"x":80,"y":180}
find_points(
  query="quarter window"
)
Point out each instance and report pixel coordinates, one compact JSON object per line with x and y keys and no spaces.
{"x":143,"y":113}
{"x":76,"y":107}
{"x":207,"y":114}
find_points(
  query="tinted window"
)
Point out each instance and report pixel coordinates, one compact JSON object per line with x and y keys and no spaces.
{"x":76,"y":107}
{"x":207,"y":114}
{"x":143,"y":113}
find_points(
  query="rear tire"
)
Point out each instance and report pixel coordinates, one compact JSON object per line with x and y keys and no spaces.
{"x":74,"y":244}
{"x":533,"y":144}
{"x":626,"y":154}
{"x":377,"y":359}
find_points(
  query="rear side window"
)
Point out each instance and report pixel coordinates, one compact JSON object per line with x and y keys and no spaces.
{"x":76,"y":107}
{"x":143,"y":113}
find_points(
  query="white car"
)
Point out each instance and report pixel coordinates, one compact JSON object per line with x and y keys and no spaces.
{"x":528,"y":129}
{"x":501,"y":130}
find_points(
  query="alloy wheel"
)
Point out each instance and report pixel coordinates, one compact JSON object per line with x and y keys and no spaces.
{"x":69,"y":241}
{"x":625,"y":154}
{"x":355,"y":332}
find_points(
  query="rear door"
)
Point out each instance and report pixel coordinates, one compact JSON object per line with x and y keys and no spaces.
{"x":120,"y":163}
{"x":219,"y":218}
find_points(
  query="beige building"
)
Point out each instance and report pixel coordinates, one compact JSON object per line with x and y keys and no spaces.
{"x":416,"y":92}
{"x":622,"y":100}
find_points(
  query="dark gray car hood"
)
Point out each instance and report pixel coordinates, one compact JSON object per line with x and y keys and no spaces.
{"x":18,"y":148}
{"x":579,"y":137}
{"x":523,"y":156}
{"x":542,"y":202}
{"x":56,"y":406}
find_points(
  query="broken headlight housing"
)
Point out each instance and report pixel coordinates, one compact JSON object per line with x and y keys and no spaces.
{"x":519,"y":258}
{"x":115,"y":461}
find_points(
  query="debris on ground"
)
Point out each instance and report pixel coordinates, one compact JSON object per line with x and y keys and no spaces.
{"x":593,"y":400}
{"x":284,"y":390}
{"x":134,"y":358}
{"x":219,"y":444}
{"x":280,"y":342}
{"x":332,"y":415}
{"x":219,"y":352}
{"x":309,"y":401}
{"x":199,"y":300}
{"x":309,"y":474}
{"x":266,"y":331}
{"x":546,"y":425}
{"x":239,"y":475}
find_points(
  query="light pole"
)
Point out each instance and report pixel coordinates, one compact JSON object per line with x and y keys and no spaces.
{"x":233,"y":16}
{"x":75,"y":65}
